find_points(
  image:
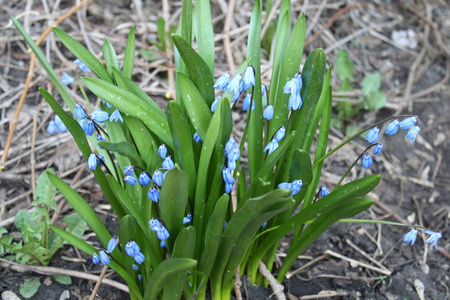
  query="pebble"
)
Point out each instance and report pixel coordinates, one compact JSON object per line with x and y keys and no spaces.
{"x":65,"y":295}
{"x":8,"y":295}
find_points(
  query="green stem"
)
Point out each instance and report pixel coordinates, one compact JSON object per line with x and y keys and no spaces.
{"x":381,"y":222}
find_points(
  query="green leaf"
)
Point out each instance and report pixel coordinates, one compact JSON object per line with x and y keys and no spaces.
{"x":203,"y":28}
{"x":29,"y":287}
{"x":375,"y":100}
{"x":165,"y":271}
{"x":45,"y":191}
{"x":127,"y":150}
{"x":63,"y":279}
{"x":371,"y":83}
{"x":128,"y":60}
{"x":344,"y":66}
{"x":160,"y":31}
{"x":75,"y":224}
{"x":110,"y":56}
{"x":24,"y":217}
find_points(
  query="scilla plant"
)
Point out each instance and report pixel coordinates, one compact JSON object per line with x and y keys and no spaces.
{"x":190,"y":213}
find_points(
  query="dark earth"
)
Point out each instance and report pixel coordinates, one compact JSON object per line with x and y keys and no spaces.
{"x":415,"y":178}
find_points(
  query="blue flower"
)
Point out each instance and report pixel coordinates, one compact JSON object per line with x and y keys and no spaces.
{"x":285,"y":185}
{"x":249,"y":78}
{"x":372,"y":135}
{"x":163,"y":244}
{"x":378,"y":148}
{"x":294,"y":85}
{"x":140,"y":277}
{"x":230,"y":145}
{"x":51,"y":128}
{"x":434,"y":238}
{"x":232,"y":165}
{"x":234,"y":86}
{"x":130,"y":179}
{"x":264,"y":225}
{"x":92,"y":162}
{"x":197,"y":138}
{"x":162,"y":151}
{"x":116,"y":116}
{"x":296,"y":185}
{"x":168,"y":163}
{"x":95,"y":259}
{"x":79,"y":112}
{"x":412,"y":133}
{"x":112,"y":244}
{"x":139,"y":258}
{"x":154,"y":224}
{"x":157,"y":177}
{"x":263,"y":90}
{"x":104,"y":258}
{"x":128,"y":170}
{"x":367,"y":161}
{"x":295,"y":101}
{"x":108,"y":105}
{"x":408,"y":122}
{"x":131,"y":248}
{"x":87,"y":126}
{"x":271,"y":146}
{"x":223,"y":81}
{"x":135,"y":267}
{"x":392,"y":128}
{"x":246,"y":102}
{"x":268,"y":112}
{"x":234,"y":154}
{"x":100,"y":138}
{"x":144,"y":178}
{"x":60,"y":125}
{"x":187,"y":219}
{"x":153,"y":194}
{"x":228,"y":187}
{"x":66,"y":79}
{"x":410,"y":237}
{"x":215,"y":103}
{"x":227,"y":177}
{"x":236,"y":96}
{"x":162,"y":233}
{"x":279,"y":135}
{"x":324,"y":191}
{"x":83,"y":67}
{"x":99,"y":116}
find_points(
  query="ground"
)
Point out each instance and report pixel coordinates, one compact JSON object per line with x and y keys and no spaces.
{"x":415,"y":178}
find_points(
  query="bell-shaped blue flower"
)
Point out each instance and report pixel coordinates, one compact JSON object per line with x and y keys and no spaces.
{"x":79,"y":112}
{"x":153,"y":194}
{"x":263,"y":90}
{"x":222,"y":82}
{"x":154,"y":224}
{"x":228,"y":187}
{"x":372,"y":135}
{"x":157,"y":177}
{"x":140,"y":277}
{"x":104,"y":258}
{"x":116,"y":116}
{"x":95,"y":259}
{"x":227,"y":177}
{"x":268,"y":112}
{"x":285,"y":185}
{"x":87,"y":126}
{"x":135,"y":267}
{"x":162,"y":233}
{"x":61,"y":127}
{"x":128,"y":170}
{"x":294,"y":85}
{"x":324,"y":191}
{"x":279,"y":135}
{"x":197,"y":138}
{"x":130,"y":179}
{"x":92,"y":162}
{"x":296,"y":185}
{"x":168,"y":163}
{"x":433,"y":239}
{"x":412,"y":133}
{"x":215,"y":103}
{"x":295,"y":101}
{"x":100,"y":138}
{"x":249,"y":78}
{"x":234,"y":86}
{"x":230,"y":145}
{"x":187,"y":219}
{"x":410,"y":237}
{"x":378,"y":148}
{"x":51,"y":128}
{"x":112,"y":244}
{"x":108,"y":105}
{"x":82,"y":66}
{"x":367,"y":161}
{"x":407,"y":123}
{"x":271,"y":146}
{"x":131,"y":248}
{"x":139,"y":258}
{"x":231,"y":165}
{"x":234,"y":154}
{"x":162,"y":151}
{"x":246,"y":102}
{"x":66,"y":79}
{"x":144,"y":178}
{"x":99,"y":116}
{"x":392,"y":128}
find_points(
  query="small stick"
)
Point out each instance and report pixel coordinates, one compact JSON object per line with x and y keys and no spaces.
{"x":361,"y":264}
{"x":237,"y":284}
{"x":277,"y":288}
{"x":99,"y":282}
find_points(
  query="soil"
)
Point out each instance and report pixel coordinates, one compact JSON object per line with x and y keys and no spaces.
{"x":415,"y":177}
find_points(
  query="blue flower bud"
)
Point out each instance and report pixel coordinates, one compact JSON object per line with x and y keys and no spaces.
{"x":225,"y":224}
{"x":128,"y":170}
{"x":279,"y":135}
{"x":410,"y":237}
{"x":131,"y":248}
{"x":408,"y":122}
{"x":222,"y":82}
{"x":139,"y":258}
{"x":104,"y":258}
{"x":231,"y":165}
{"x":227,"y":177}
{"x":367,"y":161}
{"x":111,"y":245}
{"x":378,"y":148}
{"x":140,"y":277}
{"x":158,"y":177}
{"x":116,"y":116}
{"x":95,"y":259}
{"x":168,"y":163}
{"x":268,"y":112}
{"x":324,"y":191}
{"x":135,"y":267}
{"x":92,"y":162}
{"x":66,"y":79}
{"x":197,"y":138}
{"x":372,"y":135}
{"x":392,"y":128}
{"x":215,"y":103}
{"x":61,"y":127}
{"x":87,"y":126}
{"x":285,"y":185}
{"x":99,"y":116}
{"x":163,"y":244}
{"x":108,"y":105}
{"x":154,"y":224}
{"x":162,"y":151}
{"x":82,"y":66}
{"x":236,"y":96}
{"x":153,"y":194}
{"x":264,"y":225}
{"x":249,"y":78}
{"x":187,"y":219}
{"x":271,"y":146}
{"x":230,"y":145}
{"x":294,"y":85}
{"x":144,"y":178}
{"x":412,"y":133}
{"x":130,"y":179}
{"x":263,"y":90}
{"x":79,"y":112}
{"x":51,"y":128}
{"x":296,"y":185}
{"x":246,"y":102}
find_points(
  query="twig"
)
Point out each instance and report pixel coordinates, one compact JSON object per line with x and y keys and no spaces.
{"x":277,"y":288}
{"x":290,"y":274}
{"x":355,"y":262}
{"x":170,"y":71}
{"x":226,"y":37}
{"x":237,"y":284}
{"x":99,"y":282}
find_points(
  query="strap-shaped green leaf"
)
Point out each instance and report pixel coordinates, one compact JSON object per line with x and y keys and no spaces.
{"x":204,"y":34}
{"x":110,"y":56}
{"x":127,"y":150}
{"x":197,"y":69}
{"x":165,"y":271}
{"x":129,"y":103}
{"x":83,"y":54}
{"x":128,"y":60}
{"x":314,"y":230}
